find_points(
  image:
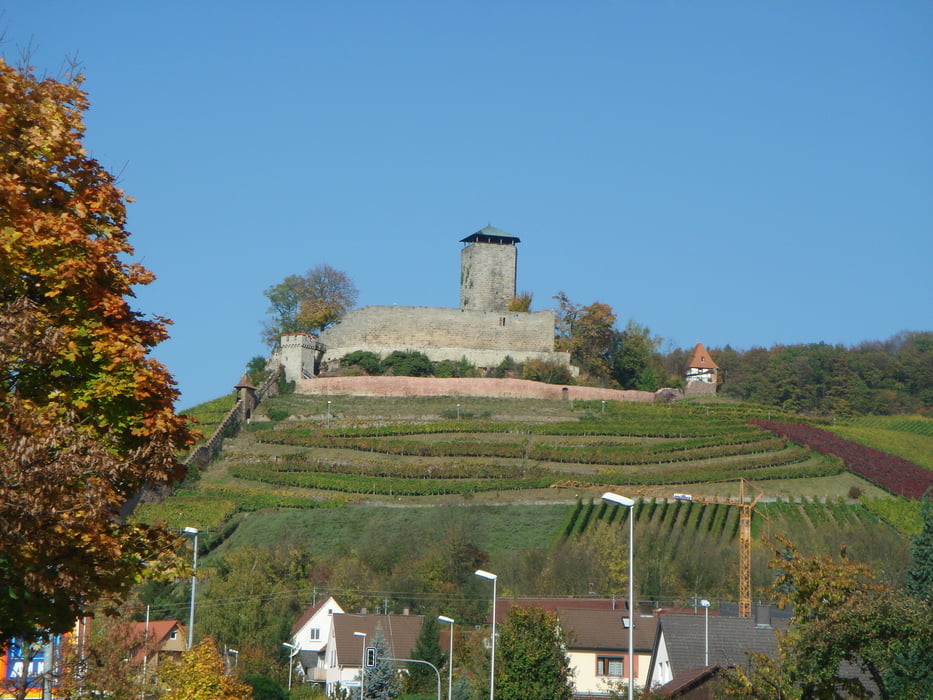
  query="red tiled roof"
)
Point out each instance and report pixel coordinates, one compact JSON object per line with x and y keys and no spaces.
{"x":700,"y":358}
{"x":158,"y":633}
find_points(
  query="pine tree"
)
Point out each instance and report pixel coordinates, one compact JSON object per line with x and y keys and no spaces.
{"x":382,"y":681}
{"x":920,"y":574}
{"x":421,"y":679}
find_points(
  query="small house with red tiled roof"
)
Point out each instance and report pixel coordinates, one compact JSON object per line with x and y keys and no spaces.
{"x":156,"y":642}
{"x":702,"y":374}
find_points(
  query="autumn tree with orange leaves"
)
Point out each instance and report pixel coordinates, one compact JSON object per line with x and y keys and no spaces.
{"x":86,"y":417}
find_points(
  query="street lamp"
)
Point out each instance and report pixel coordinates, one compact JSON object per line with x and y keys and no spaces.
{"x":492,"y":657}
{"x":295,"y":649}
{"x":705,"y":604}
{"x":362,"y":659}
{"x":194,"y":583}
{"x":630,"y":504}
{"x":450,"y":659}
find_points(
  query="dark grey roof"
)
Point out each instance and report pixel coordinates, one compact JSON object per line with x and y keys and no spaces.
{"x":730,"y":640}
{"x":491,"y":234}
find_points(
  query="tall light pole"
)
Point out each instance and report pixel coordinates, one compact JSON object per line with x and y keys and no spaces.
{"x":450,"y":658}
{"x":630,"y":504}
{"x":705,"y":604}
{"x":362,"y":659}
{"x":295,"y":649}
{"x":492,"y":657}
{"x":194,"y":583}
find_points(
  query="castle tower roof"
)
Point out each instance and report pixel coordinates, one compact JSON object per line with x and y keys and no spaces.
{"x":700,"y":359}
{"x":244,"y":382}
{"x":491,"y":234}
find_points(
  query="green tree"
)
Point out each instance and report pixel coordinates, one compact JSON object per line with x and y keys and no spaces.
{"x":309,"y":302}
{"x":86,"y":416}
{"x":531,"y":658}
{"x":249,"y":597}
{"x":382,"y":681}
{"x":421,"y":679}
{"x":842,"y":614}
{"x":265,"y":688}
{"x":920,"y":574}
{"x":634,"y":359}
{"x":256,"y":369}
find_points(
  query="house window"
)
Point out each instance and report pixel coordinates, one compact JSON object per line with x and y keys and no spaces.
{"x":315,"y":633}
{"x":173,"y":634}
{"x":609,"y":666}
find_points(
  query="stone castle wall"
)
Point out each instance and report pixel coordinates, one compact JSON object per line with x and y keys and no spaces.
{"x":485,"y":338}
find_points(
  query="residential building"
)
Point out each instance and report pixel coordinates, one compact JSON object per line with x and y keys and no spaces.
{"x":310,"y":635}
{"x":346,"y":650}
{"x":597,"y":648}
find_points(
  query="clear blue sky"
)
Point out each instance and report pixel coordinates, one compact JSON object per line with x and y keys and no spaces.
{"x":744,"y":173}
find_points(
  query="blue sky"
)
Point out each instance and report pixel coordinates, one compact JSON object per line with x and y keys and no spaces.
{"x":744,"y":173}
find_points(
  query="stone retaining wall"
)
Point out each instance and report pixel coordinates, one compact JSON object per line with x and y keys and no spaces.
{"x":428,"y":386}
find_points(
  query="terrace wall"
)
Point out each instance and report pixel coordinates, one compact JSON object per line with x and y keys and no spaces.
{"x":429,"y":386}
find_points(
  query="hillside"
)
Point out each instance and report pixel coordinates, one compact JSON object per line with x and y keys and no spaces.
{"x":518,"y":476}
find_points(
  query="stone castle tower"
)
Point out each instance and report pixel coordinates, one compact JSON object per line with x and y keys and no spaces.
{"x":488,"y":263}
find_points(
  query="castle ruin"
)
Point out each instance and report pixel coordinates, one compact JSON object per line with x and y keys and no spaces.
{"x":482,"y":330}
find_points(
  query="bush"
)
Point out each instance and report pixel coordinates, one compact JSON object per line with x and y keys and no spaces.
{"x":408,"y":363}
{"x":461,"y":368}
{"x":508,"y":367}
{"x":365,"y":360}
{"x":277,"y":414}
{"x":549,"y":372}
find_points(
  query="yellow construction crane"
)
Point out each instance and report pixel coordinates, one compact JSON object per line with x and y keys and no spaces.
{"x":745,"y":539}
{"x":745,"y":528}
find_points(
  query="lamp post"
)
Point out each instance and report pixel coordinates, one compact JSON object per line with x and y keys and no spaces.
{"x":426,"y":663}
{"x":450,"y":659}
{"x":630,"y":504}
{"x":295,"y":649}
{"x":705,"y":604}
{"x":492,"y":657}
{"x":362,"y":660}
{"x":194,"y":583}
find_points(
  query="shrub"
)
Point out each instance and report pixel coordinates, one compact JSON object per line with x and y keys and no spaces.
{"x":277,"y":414}
{"x":408,"y":363}
{"x":508,"y":367}
{"x":549,"y":372}
{"x":365,"y":360}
